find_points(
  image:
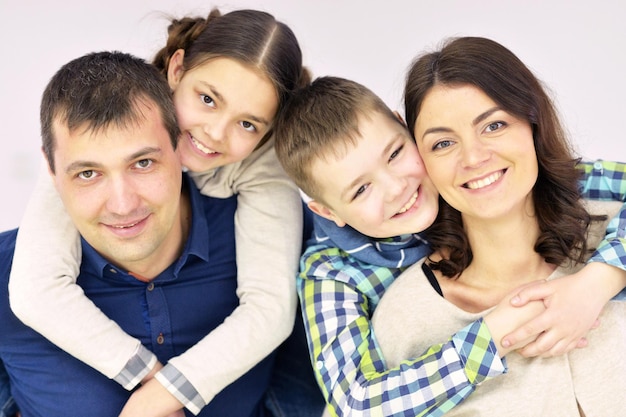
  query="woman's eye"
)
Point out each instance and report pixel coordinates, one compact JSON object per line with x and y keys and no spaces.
{"x":492,"y":127}
{"x":144,"y":163}
{"x":248,"y":126}
{"x":442,"y":144}
{"x":395,"y":153}
{"x":207,"y":100}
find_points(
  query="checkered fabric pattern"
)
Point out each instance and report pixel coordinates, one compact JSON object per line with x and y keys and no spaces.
{"x":339,"y":293}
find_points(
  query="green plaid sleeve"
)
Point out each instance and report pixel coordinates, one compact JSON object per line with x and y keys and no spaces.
{"x":604,"y":180}
{"x":338,"y":295}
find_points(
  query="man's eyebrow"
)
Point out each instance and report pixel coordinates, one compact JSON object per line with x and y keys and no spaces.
{"x":477,"y":119}
{"x":221,"y":98}
{"x":83,"y":165}
{"x":358,"y":179}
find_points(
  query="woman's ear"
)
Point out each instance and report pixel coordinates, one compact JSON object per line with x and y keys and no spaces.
{"x":175,"y":69}
{"x":321,"y":210}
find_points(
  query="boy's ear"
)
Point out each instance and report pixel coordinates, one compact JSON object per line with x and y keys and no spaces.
{"x":399,"y":117}
{"x":175,"y":69}
{"x":321,"y":210}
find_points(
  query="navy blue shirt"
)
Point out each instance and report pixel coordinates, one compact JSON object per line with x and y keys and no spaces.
{"x":169,"y":315}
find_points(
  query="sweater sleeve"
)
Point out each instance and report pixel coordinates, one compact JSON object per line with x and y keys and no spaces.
{"x":44,"y":295}
{"x":268,"y":233}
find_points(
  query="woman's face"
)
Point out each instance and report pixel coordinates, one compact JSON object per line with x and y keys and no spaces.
{"x":481,"y":158}
{"x":224,"y":109}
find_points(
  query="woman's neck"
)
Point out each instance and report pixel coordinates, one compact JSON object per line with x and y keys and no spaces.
{"x":503,"y":259}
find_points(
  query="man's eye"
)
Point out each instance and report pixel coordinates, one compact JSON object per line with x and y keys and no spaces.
{"x":144,"y":163}
{"x":86,"y":175}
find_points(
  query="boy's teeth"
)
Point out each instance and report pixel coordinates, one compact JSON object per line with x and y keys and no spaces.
{"x":201,"y":146}
{"x":409,"y":204}
{"x":474,"y":185}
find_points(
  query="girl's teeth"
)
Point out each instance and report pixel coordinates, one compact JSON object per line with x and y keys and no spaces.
{"x":200,"y":146}
{"x":409,"y":204}
{"x":474,"y":185}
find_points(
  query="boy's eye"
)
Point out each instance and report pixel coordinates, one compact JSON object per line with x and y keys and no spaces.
{"x":207,"y":100}
{"x":360,"y":191}
{"x":396,"y":153}
{"x":248,"y":126}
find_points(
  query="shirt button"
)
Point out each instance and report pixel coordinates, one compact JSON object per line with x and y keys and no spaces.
{"x":150,"y":286}
{"x":597,"y":165}
{"x":160,"y":339}
{"x":319,"y":365}
{"x":113,"y":271}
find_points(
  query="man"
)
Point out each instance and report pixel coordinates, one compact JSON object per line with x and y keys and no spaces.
{"x":158,"y":258}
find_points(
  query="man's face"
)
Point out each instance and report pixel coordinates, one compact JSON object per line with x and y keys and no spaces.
{"x":122,"y":188}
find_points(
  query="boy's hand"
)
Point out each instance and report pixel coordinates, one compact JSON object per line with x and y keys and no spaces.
{"x":573,"y":305}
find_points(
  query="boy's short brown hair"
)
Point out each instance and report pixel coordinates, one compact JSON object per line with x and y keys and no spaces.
{"x":321,"y":121}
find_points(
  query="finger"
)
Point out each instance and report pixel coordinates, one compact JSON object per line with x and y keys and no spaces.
{"x":534,"y":291}
{"x":531,"y":329}
{"x":595,"y":324}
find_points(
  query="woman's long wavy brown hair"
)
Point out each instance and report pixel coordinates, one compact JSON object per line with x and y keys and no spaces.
{"x":489,"y":66}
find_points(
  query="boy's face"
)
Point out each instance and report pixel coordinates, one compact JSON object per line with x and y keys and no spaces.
{"x":380,"y":187}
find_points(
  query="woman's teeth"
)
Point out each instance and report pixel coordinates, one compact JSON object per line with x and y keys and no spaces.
{"x":201,"y":147}
{"x":409,"y":204}
{"x":474,"y":185}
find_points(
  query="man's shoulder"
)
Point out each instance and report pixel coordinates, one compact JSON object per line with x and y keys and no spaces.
{"x":7,"y":244}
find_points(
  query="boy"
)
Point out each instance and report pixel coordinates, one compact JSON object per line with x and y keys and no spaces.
{"x":359,"y":165}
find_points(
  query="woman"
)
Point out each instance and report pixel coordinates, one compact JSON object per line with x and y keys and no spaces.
{"x":510,"y":214}
{"x":230,"y":74}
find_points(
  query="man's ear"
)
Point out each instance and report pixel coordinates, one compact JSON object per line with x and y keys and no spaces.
{"x":321,"y":210}
{"x":399,"y":117}
{"x":175,"y":69}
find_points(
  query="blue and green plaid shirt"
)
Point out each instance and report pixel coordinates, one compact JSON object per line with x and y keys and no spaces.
{"x":344,"y":274}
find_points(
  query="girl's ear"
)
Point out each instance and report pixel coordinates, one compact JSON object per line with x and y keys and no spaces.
{"x":321,"y":210}
{"x":175,"y":69}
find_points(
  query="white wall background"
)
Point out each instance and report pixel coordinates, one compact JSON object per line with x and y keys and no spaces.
{"x":576,"y":47}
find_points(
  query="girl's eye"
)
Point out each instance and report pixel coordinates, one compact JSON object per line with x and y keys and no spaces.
{"x":442,"y":144}
{"x":492,"y":127}
{"x":360,"y":191}
{"x":395,"y":153}
{"x":144,"y":163}
{"x":207,"y":100}
{"x":248,"y":126}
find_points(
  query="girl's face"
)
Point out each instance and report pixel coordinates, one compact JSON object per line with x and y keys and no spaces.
{"x":224,"y":109}
{"x":380,"y":186}
{"x":481,"y":158}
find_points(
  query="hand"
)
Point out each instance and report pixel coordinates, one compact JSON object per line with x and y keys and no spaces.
{"x":573,"y":305}
{"x":505,"y":318}
{"x":152,"y":400}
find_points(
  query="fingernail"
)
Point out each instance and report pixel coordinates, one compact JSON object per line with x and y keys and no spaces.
{"x":515,"y":300}
{"x":506,"y":343}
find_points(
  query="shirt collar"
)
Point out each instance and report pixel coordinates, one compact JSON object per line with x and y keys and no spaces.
{"x":197,"y":241}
